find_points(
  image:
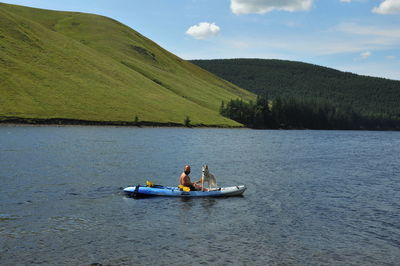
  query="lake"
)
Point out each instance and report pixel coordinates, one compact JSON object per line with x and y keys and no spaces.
{"x":313,"y":197}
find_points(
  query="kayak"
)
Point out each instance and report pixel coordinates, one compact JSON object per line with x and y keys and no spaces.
{"x":157,"y":190}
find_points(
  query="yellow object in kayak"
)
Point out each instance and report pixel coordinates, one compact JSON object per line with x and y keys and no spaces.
{"x":149,"y":183}
{"x":184,"y":188}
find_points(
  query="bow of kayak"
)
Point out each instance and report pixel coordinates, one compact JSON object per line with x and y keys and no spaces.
{"x":137,"y":191}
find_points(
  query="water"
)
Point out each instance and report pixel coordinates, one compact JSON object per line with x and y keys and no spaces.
{"x":314,"y":197}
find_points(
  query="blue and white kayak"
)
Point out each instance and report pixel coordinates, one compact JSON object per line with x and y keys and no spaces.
{"x":140,"y":191}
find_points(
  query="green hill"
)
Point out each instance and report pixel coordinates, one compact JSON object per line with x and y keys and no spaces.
{"x":80,"y":66}
{"x":368,"y":96}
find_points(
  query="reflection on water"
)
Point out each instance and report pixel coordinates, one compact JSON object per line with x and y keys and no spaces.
{"x":313,"y":197}
{"x":208,"y":203}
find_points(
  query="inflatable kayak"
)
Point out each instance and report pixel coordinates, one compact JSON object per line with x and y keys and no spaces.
{"x":140,"y":191}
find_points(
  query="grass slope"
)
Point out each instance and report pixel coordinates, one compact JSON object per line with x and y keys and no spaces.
{"x":81,"y":66}
{"x":375,"y":97}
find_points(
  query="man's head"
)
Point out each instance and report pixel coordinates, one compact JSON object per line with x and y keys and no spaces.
{"x":187,"y":169}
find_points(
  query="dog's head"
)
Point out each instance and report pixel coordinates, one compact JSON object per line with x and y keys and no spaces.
{"x":204,"y":169}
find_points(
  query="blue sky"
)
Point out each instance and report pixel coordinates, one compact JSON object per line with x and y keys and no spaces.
{"x":359,"y":36}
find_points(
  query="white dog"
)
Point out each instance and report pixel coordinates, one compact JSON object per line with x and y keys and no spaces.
{"x":206,"y":176}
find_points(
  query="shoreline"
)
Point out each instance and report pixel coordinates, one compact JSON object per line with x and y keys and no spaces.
{"x":15,"y":121}
{"x":61,"y":122}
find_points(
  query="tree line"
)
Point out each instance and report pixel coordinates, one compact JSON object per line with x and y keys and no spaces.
{"x":369,"y":97}
{"x":300,"y":113}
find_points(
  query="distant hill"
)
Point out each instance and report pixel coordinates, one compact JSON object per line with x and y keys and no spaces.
{"x":369,"y":96}
{"x":69,"y":65}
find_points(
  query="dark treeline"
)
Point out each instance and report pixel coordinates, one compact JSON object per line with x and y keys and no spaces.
{"x":368,"y":96}
{"x":293,"y":113}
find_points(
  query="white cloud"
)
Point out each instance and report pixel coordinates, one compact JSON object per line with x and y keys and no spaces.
{"x":346,"y":38}
{"x":265,"y":6}
{"x":345,"y":1}
{"x":386,"y":34}
{"x":388,"y":7}
{"x":203,"y":30}
{"x":365,"y":55}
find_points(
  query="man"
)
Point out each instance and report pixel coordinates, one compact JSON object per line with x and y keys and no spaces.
{"x":184,"y":180}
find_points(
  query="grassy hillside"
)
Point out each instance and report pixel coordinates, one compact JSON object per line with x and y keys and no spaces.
{"x":81,"y":66}
{"x":369,"y":96}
